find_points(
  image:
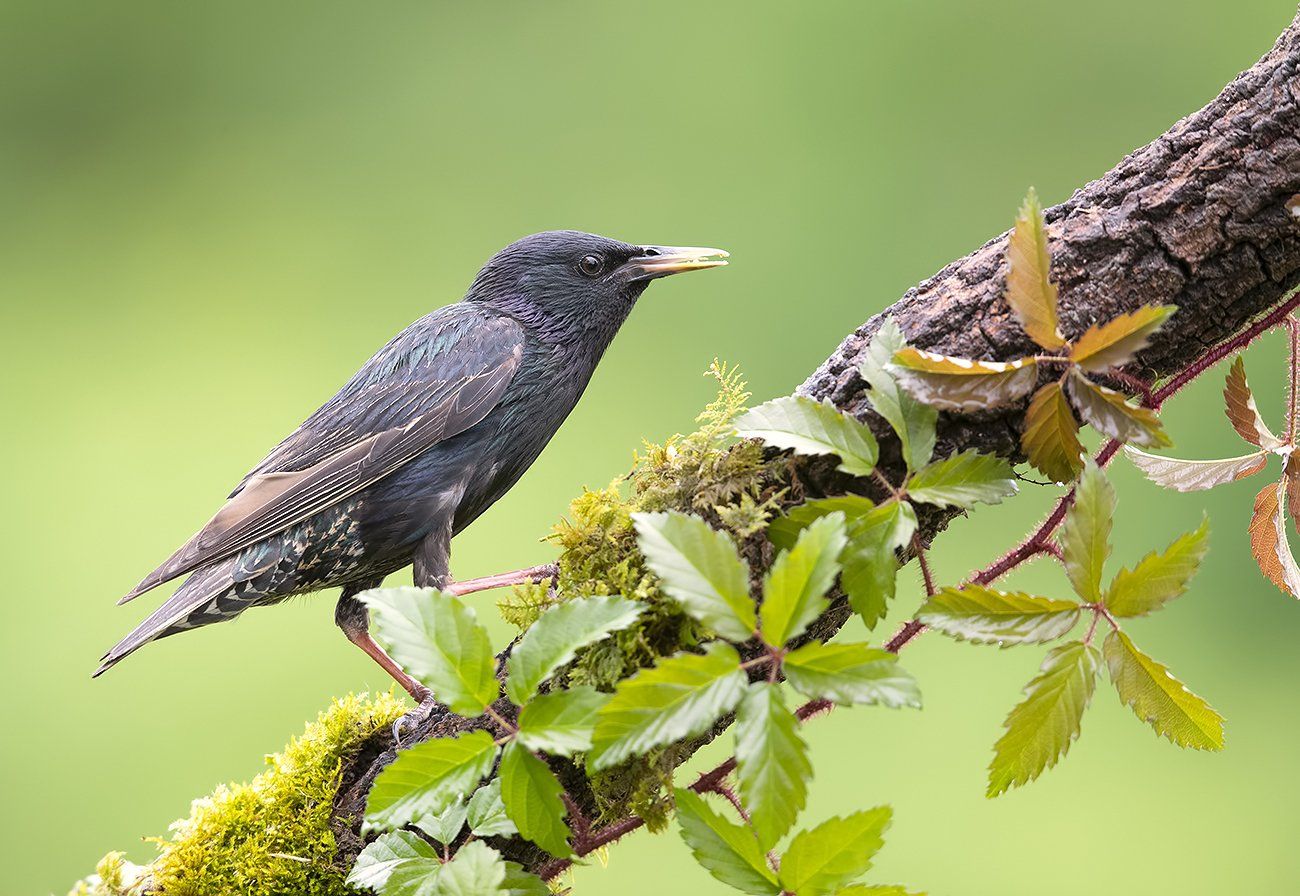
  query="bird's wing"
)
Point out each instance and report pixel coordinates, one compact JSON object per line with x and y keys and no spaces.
{"x":435,"y":380}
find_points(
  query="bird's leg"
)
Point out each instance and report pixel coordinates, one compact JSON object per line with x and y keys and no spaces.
{"x":533,"y":575}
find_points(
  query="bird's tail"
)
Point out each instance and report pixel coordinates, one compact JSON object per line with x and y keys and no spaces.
{"x":209,"y":595}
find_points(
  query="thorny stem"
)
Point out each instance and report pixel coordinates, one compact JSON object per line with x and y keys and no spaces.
{"x":926,"y":576}
{"x":1293,"y":343}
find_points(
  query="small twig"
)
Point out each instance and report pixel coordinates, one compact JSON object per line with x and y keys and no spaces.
{"x":926,"y":576}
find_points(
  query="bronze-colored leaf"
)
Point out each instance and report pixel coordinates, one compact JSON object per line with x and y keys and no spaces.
{"x":1030,"y":290}
{"x":1051,"y":439}
{"x":962,"y":384}
{"x":1195,"y":475}
{"x":1242,"y":411}
{"x":1112,"y":413}
{"x":1268,"y":542}
{"x":1293,"y":489}
{"x":1114,"y":343}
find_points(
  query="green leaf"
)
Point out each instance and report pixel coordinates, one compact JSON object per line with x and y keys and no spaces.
{"x":1116,"y":342}
{"x":700,"y":569}
{"x":871,"y":562}
{"x":1051,"y":436}
{"x":912,"y":420}
{"x":531,"y":795}
{"x":1030,"y":290}
{"x":438,"y":640}
{"x":377,"y":861}
{"x":429,"y":777}
{"x":1158,"y":578}
{"x":805,"y":426}
{"x":447,"y":824}
{"x":519,"y":882}
{"x":1042,"y":727}
{"x":963,"y":480}
{"x":415,"y":878}
{"x":475,"y":870}
{"x":835,"y":852}
{"x":794,"y":592}
{"x":772,"y":764}
{"x":1114,"y":415}
{"x":487,"y":813}
{"x":556,"y":637}
{"x":1161,"y":700}
{"x":784,"y":531}
{"x":963,"y":384}
{"x":1085,"y":533}
{"x":1195,"y":475}
{"x":850,"y":673}
{"x":987,"y":616}
{"x":679,"y":698}
{"x":727,"y":851}
{"x":561,"y":723}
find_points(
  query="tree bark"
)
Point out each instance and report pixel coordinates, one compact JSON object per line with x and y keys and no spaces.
{"x":1198,"y":218}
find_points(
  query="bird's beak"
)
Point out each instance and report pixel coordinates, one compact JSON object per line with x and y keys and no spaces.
{"x":660,"y":261}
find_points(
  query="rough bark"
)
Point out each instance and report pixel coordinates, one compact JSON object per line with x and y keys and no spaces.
{"x":1197,"y":218}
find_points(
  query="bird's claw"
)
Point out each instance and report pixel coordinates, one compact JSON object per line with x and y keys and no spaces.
{"x":414,"y":718}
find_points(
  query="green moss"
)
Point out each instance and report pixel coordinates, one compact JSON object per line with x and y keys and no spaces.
{"x":269,"y":837}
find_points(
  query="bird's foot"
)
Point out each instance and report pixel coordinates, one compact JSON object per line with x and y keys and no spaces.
{"x":416,"y":717}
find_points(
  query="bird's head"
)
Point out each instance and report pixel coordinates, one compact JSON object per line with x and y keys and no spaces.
{"x":566,"y":285}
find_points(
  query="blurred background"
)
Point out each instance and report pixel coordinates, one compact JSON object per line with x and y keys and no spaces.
{"x":213,"y":213}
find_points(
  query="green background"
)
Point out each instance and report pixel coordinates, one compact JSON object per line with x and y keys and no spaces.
{"x":213,"y":213}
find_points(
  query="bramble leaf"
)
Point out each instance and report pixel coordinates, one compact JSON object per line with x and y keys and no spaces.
{"x":812,"y":427}
{"x":1242,"y":411}
{"x":834,"y":853}
{"x":679,"y":698}
{"x":487,"y":813}
{"x":531,"y":795}
{"x":772,"y":766}
{"x":475,"y":870}
{"x":1158,"y":698}
{"x":726,"y":850}
{"x":851,"y":673}
{"x":1195,"y":475}
{"x":377,"y":861}
{"x":870,"y":560}
{"x":912,"y":420}
{"x":1042,"y":727}
{"x":1268,"y":541}
{"x":794,"y":592}
{"x":447,"y":824}
{"x":1114,"y":415}
{"x":700,"y":569}
{"x":561,"y":722}
{"x":985,"y":616}
{"x":429,"y":777}
{"x":558,"y":634}
{"x":1030,"y":290}
{"x":438,"y":640}
{"x":1116,"y":342}
{"x":1051,"y":436}
{"x":1158,"y":578}
{"x":961,"y":384}
{"x":963,"y":480}
{"x":1085,"y":533}
{"x":784,"y":530}
{"x":519,"y":882}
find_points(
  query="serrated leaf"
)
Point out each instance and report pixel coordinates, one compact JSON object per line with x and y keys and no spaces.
{"x":680,"y":697}
{"x":438,"y":640}
{"x":429,"y":777}
{"x":1242,"y":411}
{"x":701,"y":569}
{"x":987,"y":616}
{"x":561,"y":722}
{"x":419,"y":877}
{"x":1042,"y":727}
{"x":772,"y":766}
{"x":1051,"y":436}
{"x":558,"y":634}
{"x":486,"y":814}
{"x":1268,"y":541}
{"x":812,"y":427}
{"x":912,"y":420}
{"x":1117,"y":342}
{"x":531,"y":794}
{"x":1158,"y":577}
{"x":726,"y":850}
{"x":1085,"y":532}
{"x":870,"y":561}
{"x":834,"y":853}
{"x":1112,"y":414}
{"x":962,"y":384}
{"x":1195,"y":475}
{"x":850,"y":674}
{"x":1030,"y":290}
{"x":446,"y":825}
{"x":475,"y":870}
{"x":1161,"y":700}
{"x":794,"y":591}
{"x":377,"y":861}
{"x":963,"y":480}
{"x":519,"y":882}
{"x":784,"y":531}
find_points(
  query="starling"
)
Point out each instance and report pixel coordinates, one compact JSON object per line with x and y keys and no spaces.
{"x":437,"y":426}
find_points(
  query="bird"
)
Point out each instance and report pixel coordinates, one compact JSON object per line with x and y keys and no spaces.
{"x":436,"y":427}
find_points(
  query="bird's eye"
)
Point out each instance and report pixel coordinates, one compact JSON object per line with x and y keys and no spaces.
{"x":591,"y":265}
